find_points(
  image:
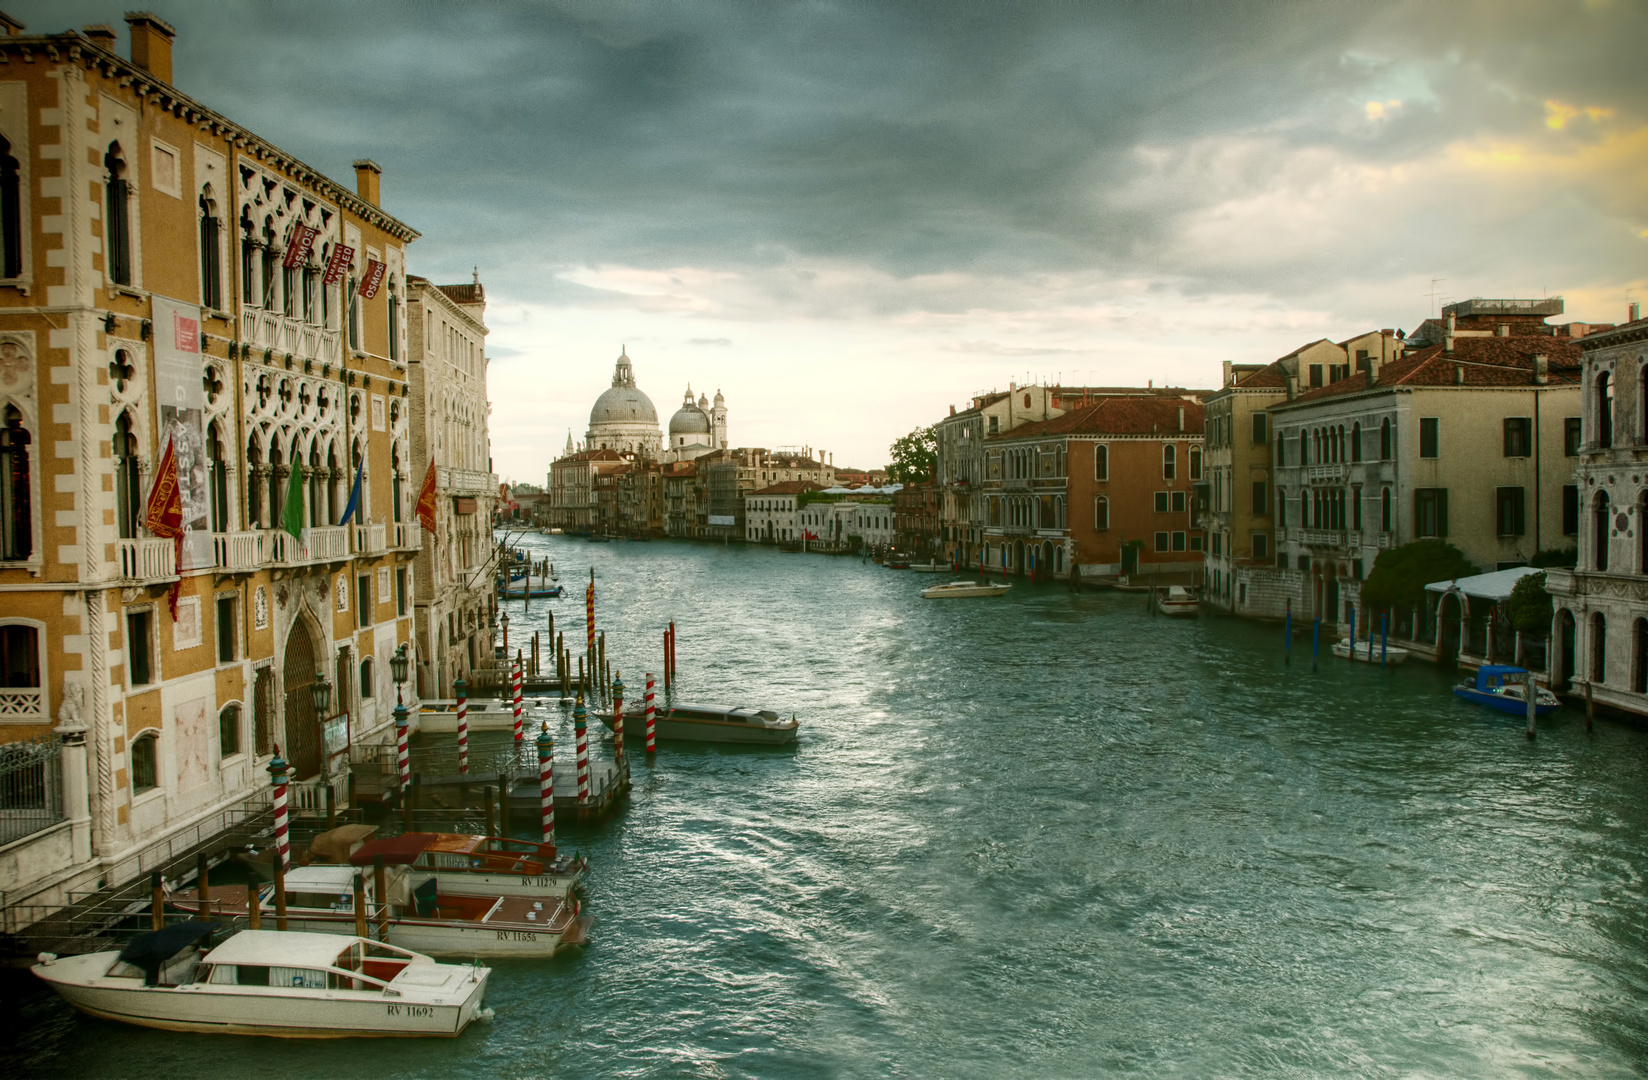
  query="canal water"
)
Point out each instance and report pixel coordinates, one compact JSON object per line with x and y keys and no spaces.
{"x":1042,"y":835}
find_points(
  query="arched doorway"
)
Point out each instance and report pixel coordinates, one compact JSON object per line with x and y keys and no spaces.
{"x":298,"y":677}
{"x":1452,"y":617}
{"x":1599,"y":648}
{"x":1564,"y":673}
{"x":1048,"y":570}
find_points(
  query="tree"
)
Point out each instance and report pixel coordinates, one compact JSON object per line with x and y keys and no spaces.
{"x":914,"y":457}
{"x":1558,"y":557}
{"x":1529,"y":607}
{"x":1400,"y":575}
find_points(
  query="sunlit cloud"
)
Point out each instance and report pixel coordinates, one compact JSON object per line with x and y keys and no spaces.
{"x":1379,"y":110}
{"x":1558,"y":114}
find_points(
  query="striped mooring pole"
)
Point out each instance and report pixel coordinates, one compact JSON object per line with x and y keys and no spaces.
{"x":401,"y":748}
{"x":580,"y":732}
{"x":546,"y":783}
{"x":589,"y":613}
{"x":515,"y":689}
{"x":461,"y":688}
{"x":283,"y":844}
{"x":652,"y":742}
{"x":618,"y":716}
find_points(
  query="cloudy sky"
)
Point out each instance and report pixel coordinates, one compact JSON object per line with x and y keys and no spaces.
{"x":847,"y":216}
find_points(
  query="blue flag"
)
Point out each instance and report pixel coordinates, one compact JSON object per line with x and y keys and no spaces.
{"x":354,"y":495}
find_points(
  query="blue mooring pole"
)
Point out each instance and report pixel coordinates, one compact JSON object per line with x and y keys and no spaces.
{"x":1352,"y":631}
{"x":1315,"y":640}
{"x":1383,"y":626}
{"x":1287,"y":634}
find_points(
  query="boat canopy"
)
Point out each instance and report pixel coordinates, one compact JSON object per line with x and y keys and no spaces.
{"x":1498,"y":674}
{"x":151,"y":951}
{"x":288,"y":948}
{"x":334,"y":845}
{"x":396,"y":850}
{"x":1495,"y":585}
{"x":321,"y":878}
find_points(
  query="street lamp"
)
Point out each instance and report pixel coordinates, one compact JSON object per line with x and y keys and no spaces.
{"x":397,"y":669}
{"x":321,"y":693}
{"x":503,"y":620}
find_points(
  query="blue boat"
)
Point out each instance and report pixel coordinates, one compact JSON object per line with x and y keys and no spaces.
{"x":1499,"y":686}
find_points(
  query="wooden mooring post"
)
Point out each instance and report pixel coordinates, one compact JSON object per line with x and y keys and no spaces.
{"x":254,"y":904}
{"x":380,"y":887}
{"x":360,"y":905}
{"x":1287,"y":633}
{"x":157,"y":902}
{"x":491,"y":806}
{"x":1531,"y":692}
{"x":280,"y":894}
{"x":1590,"y":706}
{"x":503,"y":804}
{"x":203,"y":885}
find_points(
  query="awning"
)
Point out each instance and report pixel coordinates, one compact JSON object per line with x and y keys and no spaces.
{"x":1496,"y":585}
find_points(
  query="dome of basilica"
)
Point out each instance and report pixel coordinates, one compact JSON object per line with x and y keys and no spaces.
{"x":689,"y":419}
{"x":623,"y":403}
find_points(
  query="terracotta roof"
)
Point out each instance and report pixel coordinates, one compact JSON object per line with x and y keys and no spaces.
{"x":592,"y":455}
{"x":1484,"y":361}
{"x":789,"y":487}
{"x":464,"y":294}
{"x":1613,"y":335}
{"x":1118,"y":416}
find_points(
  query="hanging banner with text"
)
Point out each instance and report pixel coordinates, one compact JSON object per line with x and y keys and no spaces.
{"x":374,"y":277}
{"x":182,"y":402}
{"x":299,"y":246}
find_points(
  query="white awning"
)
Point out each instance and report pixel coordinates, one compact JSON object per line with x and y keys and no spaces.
{"x":1496,"y":585}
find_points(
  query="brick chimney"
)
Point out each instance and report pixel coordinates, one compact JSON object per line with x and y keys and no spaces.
{"x":1542,"y":370}
{"x":1447,"y":335}
{"x":100,"y":34}
{"x":1633,"y":312}
{"x":367,"y":175}
{"x":152,"y":44}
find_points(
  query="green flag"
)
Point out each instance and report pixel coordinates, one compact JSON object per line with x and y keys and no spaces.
{"x":291,"y":518}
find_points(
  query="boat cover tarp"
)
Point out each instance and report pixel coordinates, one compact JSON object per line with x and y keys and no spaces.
{"x":396,"y":850}
{"x":150,"y":951}
{"x":335,"y":845}
{"x":1495,"y":585}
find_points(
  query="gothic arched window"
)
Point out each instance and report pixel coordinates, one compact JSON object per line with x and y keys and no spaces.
{"x":11,"y":215}
{"x":16,"y":520}
{"x":211,"y":266}
{"x":117,"y":230}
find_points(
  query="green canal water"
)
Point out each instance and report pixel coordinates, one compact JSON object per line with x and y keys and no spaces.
{"x":1046,"y":835}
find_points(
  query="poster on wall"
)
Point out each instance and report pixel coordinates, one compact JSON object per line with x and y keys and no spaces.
{"x":182,"y":403}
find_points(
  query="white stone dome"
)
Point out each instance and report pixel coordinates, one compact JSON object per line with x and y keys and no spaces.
{"x":689,"y":419}
{"x":624,"y":403}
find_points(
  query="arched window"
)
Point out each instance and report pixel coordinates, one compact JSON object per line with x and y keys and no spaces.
{"x":353,"y":317}
{"x":394,"y":323}
{"x":1170,"y":461}
{"x":1316,"y":445}
{"x":1304,"y":447}
{"x":1599,"y":648}
{"x":248,"y":262}
{"x":1304,"y":509}
{"x":217,"y":478}
{"x":1601,"y":519}
{"x":1281,"y":508}
{"x":1605,"y":410}
{"x":11,"y":215}
{"x":128,"y":496}
{"x":228,"y":730}
{"x":211,"y":264}
{"x":145,"y":776}
{"x":117,"y":229}
{"x":1385,"y":439}
{"x":367,"y":690}
{"x":1281,"y":451}
{"x":1356,"y":441}
{"x":270,"y":263}
{"x":16,"y":517}
{"x":1195,"y":463}
{"x":1385,"y":510}
{"x":1101,"y":462}
{"x":1639,"y":656}
{"x":254,"y":459}
{"x":395,"y":471}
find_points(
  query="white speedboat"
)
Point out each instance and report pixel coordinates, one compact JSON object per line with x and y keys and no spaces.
{"x":1177,"y":600}
{"x":1369,"y":652}
{"x":263,"y":982}
{"x":932,"y":568}
{"x":709,"y":723}
{"x":958,"y":589}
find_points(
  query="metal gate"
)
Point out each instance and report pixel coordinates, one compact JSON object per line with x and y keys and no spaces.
{"x":302,"y":751}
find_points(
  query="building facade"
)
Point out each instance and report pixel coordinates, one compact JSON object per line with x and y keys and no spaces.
{"x":1600,"y":631}
{"x":770,"y":512}
{"x":447,"y":353}
{"x":169,"y":278}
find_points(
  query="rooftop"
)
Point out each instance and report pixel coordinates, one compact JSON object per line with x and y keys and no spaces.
{"x":1474,"y":362}
{"x":1118,"y":416}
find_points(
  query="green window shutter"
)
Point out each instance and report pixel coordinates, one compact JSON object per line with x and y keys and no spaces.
{"x":1442,"y":511}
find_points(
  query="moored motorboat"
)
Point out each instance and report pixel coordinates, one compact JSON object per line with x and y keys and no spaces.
{"x":710,"y":723}
{"x":1177,"y":600}
{"x":486,"y":865}
{"x":537,"y":585}
{"x":1500,"y":686}
{"x":962,"y":589}
{"x":265,"y":982}
{"x":1369,"y":652}
{"x":932,"y":568}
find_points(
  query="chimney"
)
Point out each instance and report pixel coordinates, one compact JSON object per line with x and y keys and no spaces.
{"x":1633,"y":312}
{"x":1227,"y":372}
{"x":1459,"y":374}
{"x":952,"y":410}
{"x":1372,"y":371}
{"x":10,"y":25}
{"x":1502,"y":330}
{"x":1542,"y":370}
{"x":151,"y":44}
{"x":1293,"y":386}
{"x":1181,"y":419}
{"x":100,"y":34}
{"x":367,"y":174}
{"x":1447,"y":335}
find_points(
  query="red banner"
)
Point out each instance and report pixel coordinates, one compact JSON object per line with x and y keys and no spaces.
{"x":426,"y":499}
{"x":337,"y":264}
{"x":299,"y":246}
{"x":374,"y":277}
{"x":164,"y":514}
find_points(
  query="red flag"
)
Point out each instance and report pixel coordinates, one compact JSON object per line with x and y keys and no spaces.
{"x":426,"y":499}
{"x":299,"y":246}
{"x":337,"y":264}
{"x":164,"y":514}
{"x":374,"y":277}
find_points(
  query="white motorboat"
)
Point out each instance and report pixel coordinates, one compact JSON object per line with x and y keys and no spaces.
{"x":958,"y":589}
{"x":1369,"y":652}
{"x":709,"y":723}
{"x":263,"y":982}
{"x":478,"y":865}
{"x":932,"y":568}
{"x":1177,"y":600}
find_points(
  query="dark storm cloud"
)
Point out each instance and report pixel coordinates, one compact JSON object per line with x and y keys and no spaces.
{"x":983,"y":139}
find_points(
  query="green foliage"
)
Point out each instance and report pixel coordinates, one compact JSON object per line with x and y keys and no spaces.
{"x":1558,"y":557}
{"x":1529,"y":607}
{"x":914,"y":457}
{"x":1400,"y":575}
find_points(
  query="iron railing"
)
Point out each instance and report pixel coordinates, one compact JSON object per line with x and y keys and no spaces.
{"x":31,"y":786}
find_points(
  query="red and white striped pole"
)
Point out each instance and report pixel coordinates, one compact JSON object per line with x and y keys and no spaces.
{"x":618,"y":716}
{"x":546,"y":784}
{"x":401,"y":748}
{"x":515,"y":687}
{"x":462,"y":689}
{"x":580,"y":731}
{"x":651,"y":735}
{"x":283,"y":845}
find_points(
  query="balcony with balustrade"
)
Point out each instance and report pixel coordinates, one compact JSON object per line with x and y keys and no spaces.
{"x":370,"y":539}
{"x":237,"y":552}
{"x":408,"y":536}
{"x":147,"y":560}
{"x":282,"y":334}
{"x":324,"y":543}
